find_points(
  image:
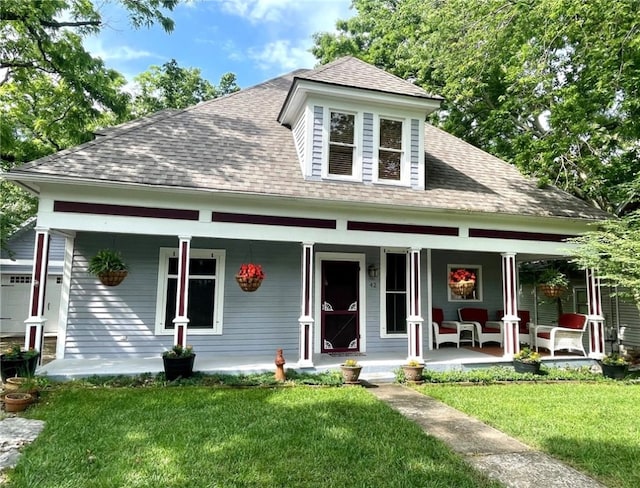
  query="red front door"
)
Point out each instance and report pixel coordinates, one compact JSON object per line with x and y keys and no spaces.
{"x":340,"y":328}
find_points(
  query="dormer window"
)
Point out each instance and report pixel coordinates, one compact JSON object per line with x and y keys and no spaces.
{"x":390,"y":150}
{"x":342,"y":147}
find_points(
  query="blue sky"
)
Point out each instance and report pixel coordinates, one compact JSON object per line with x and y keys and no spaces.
{"x":255,"y":39}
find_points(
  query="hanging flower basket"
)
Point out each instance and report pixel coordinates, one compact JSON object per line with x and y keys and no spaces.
{"x":462,"y":288}
{"x":552,"y":291}
{"x":112,"y":278}
{"x":250,"y":276}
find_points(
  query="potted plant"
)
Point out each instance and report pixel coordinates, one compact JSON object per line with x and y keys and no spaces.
{"x":250,"y":276}
{"x":16,"y":361}
{"x":16,"y":401}
{"x":109,"y":267}
{"x":526,"y":361}
{"x":413,"y":371}
{"x":178,"y":362}
{"x":351,"y":371}
{"x":553,"y":283}
{"x":462,"y":282}
{"x":614,"y":366}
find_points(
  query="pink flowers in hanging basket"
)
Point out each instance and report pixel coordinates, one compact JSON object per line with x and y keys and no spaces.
{"x":250,"y":276}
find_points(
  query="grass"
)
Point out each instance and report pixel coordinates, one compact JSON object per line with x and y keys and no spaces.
{"x":199,"y":436}
{"x":593,"y":426}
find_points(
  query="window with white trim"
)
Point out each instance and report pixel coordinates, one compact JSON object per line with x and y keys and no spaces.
{"x":205,"y":292}
{"x":395,"y":298}
{"x":390,"y":150}
{"x":342,"y":144}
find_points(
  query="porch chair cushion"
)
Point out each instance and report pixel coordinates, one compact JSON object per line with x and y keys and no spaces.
{"x":523,"y":326}
{"x":444,"y":331}
{"x":486,"y":331}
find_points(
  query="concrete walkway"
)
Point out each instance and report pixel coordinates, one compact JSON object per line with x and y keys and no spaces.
{"x":490,"y":451}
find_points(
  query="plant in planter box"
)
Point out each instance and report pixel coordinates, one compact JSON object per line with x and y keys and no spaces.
{"x":351,"y":371}
{"x":413,"y":371}
{"x":16,"y":361}
{"x":109,"y":267}
{"x":614,"y":366}
{"x":178,"y":362}
{"x":526,"y":361}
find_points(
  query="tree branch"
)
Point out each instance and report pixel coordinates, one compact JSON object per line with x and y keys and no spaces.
{"x":12,"y":16}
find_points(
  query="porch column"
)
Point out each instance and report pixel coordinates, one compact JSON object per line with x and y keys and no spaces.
{"x":414,"y":320}
{"x":511,"y":334}
{"x":306,"y":317}
{"x":595,"y":317}
{"x":34,"y":333}
{"x":429,"y":329}
{"x":181,"y":320}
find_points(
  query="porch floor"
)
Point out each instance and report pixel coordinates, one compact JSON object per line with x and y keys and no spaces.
{"x":375,"y":366}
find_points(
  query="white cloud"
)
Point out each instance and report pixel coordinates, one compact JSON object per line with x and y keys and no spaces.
{"x":115,"y":53}
{"x":314,"y":14}
{"x":283,"y":55}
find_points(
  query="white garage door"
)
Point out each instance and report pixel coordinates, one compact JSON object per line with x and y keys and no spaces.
{"x":14,"y":303}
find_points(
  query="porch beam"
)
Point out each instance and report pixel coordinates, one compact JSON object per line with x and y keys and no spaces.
{"x":414,"y":320}
{"x":595,"y":317}
{"x":510,"y":321}
{"x":181,"y":320}
{"x":34,"y":333}
{"x":305,"y":320}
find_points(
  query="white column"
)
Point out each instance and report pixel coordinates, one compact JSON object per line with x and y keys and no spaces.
{"x":181,"y":320}
{"x":429,"y":329}
{"x":61,"y":341}
{"x":34,"y":333}
{"x":510,"y":321}
{"x":414,"y":319}
{"x":306,"y":308}
{"x":595,"y":317}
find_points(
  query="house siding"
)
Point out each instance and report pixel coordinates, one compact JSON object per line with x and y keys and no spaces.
{"x":22,"y":245}
{"x":367,"y":148}
{"x":120,"y":321}
{"x":299,"y":138}
{"x":415,"y":154}
{"x":316,"y":151}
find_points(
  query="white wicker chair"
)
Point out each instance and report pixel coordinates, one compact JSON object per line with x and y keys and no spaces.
{"x":566,"y":335}
{"x":486,"y":330}
{"x":444,"y":330}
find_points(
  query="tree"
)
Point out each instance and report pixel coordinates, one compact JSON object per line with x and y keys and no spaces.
{"x":614,"y":252}
{"x":170,"y":86}
{"x":551,"y":86}
{"x":53,"y":93}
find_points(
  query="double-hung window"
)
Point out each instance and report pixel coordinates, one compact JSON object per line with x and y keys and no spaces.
{"x":391,"y":151}
{"x":205,"y":292}
{"x":394,"y":292}
{"x":342,"y":144}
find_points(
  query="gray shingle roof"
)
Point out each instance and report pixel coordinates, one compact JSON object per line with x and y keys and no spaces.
{"x":235,"y":143}
{"x":352,"y":72}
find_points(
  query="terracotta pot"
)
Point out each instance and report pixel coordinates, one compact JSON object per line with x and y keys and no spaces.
{"x":350,"y":374}
{"x":413,"y":374}
{"x":17,"y":402}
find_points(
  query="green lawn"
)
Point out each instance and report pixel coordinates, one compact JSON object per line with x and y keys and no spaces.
{"x":593,"y":426}
{"x":194,"y":436}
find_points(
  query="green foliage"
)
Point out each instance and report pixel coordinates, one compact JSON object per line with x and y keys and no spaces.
{"x":497,"y":374}
{"x":614,"y":252}
{"x":53,"y":93}
{"x":549,"y":86}
{"x":350,"y":363}
{"x":106,"y":260}
{"x":553,"y":277}
{"x":614,"y":359}
{"x":526,"y":355}
{"x":178,"y":351}
{"x":17,"y":352}
{"x":170,"y":86}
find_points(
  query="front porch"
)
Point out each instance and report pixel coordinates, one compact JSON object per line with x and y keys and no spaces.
{"x":376,"y":366}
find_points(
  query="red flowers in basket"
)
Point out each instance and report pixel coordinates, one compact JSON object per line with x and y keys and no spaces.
{"x":250,"y":276}
{"x":461,"y":275}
